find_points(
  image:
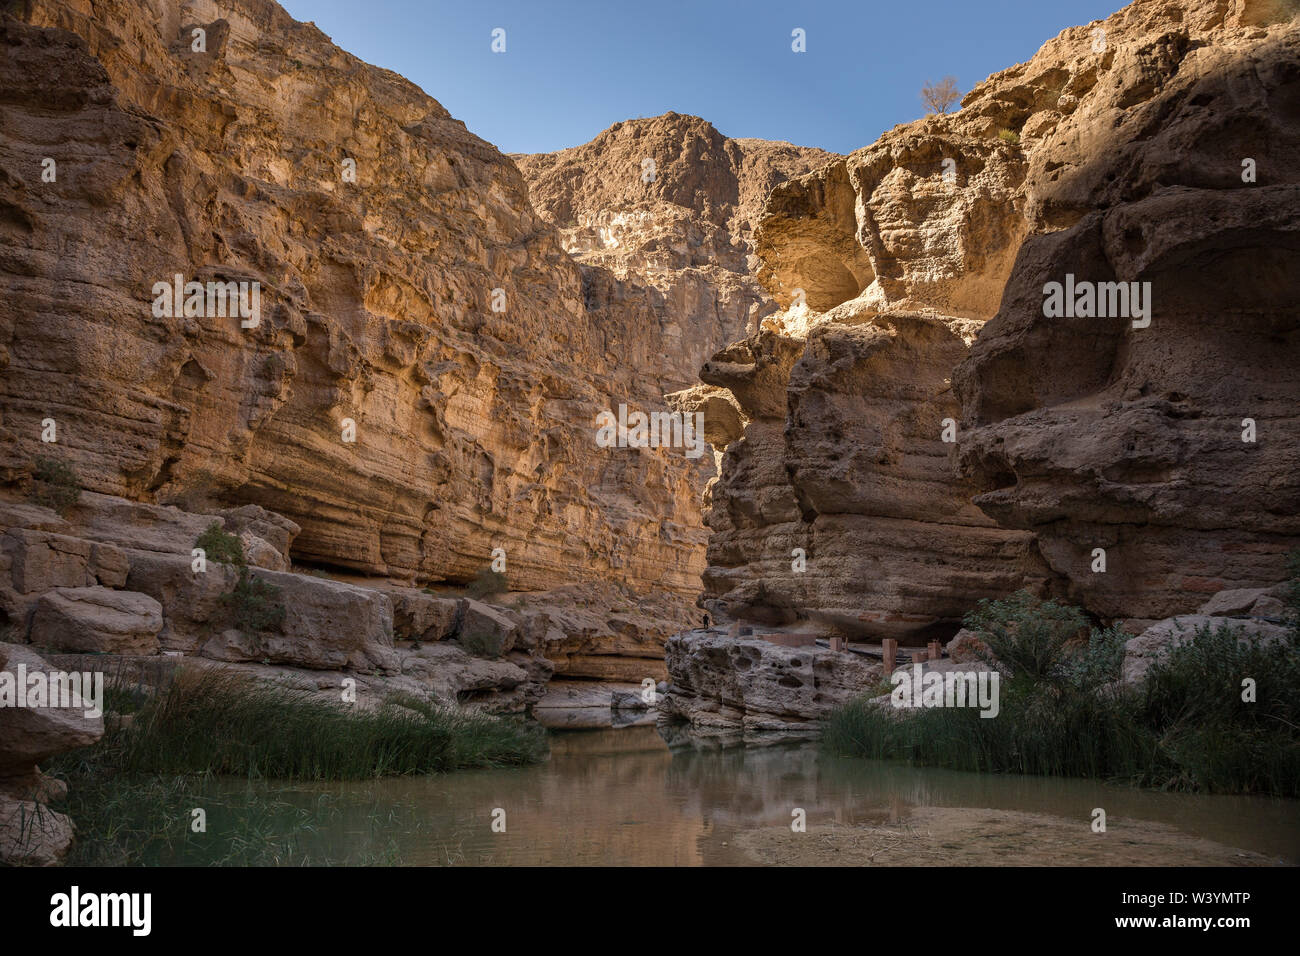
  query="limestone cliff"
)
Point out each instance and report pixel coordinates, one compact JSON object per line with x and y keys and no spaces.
{"x":421,"y":382}
{"x":1117,"y":153}
{"x":1173,"y":446}
{"x":659,"y":213}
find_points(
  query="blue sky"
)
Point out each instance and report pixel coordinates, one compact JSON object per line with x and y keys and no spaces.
{"x":574,"y":67}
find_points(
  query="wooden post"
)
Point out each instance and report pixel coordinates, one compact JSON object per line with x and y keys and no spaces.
{"x":890,"y":648}
{"x":936,"y":652}
{"x":837,"y":643}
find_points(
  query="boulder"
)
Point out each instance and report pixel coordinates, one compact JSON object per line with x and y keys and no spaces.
{"x":511,"y":684}
{"x":189,"y":600}
{"x":140,"y":526}
{"x":1156,"y":641}
{"x":965,"y":646}
{"x":600,"y":634}
{"x":96,"y":620}
{"x":30,"y":833}
{"x":752,"y":685}
{"x":109,"y":565}
{"x":31,"y":735}
{"x":260,"y":554}
{"x":327,"y":624}
{"x":1247,"y":602}
{"x":40,"y":560}
{"x":485,"y":630}
{"x":275,"y":530}
{"x":423,"y":617}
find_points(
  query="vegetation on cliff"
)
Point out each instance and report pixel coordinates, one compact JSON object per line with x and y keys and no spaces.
{"x":55,"y":485}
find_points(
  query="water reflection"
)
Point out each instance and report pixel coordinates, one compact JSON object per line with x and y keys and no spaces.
{"x":622,"y":797}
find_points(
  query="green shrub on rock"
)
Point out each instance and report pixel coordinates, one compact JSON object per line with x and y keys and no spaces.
{"x":55,"y":485}
{"x":253,"y":603}
{"x":221,"y":546}
{"x":487,"y":582}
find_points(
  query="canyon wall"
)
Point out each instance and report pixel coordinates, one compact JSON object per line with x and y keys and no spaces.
{"x":659,"y":212}
{"x":422,"y":382}
{"x":919,"y":434}
{"x":1173,"y":447}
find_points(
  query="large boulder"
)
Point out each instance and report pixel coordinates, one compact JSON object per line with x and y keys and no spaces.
{"x":267,"y":536}
{"x":30,"y":832}
{"x":40,"y":560}
{"x":423,"y":617}
{"x":601,"y":634}
{"x":96,"y":620}
{"x":718,"y":683}
{"x":139,"y":526}
{"x":31,"y":735}
{"x":1249,"y":602}
{"x":327,"y":624}
{"x":510,"y":684}
{"x":966,"y":646}
{"x":1155,"y":642}
{"x":486,"y":631}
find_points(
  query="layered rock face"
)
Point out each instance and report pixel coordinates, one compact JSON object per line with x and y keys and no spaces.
{"x":1123,"y":162}
{"x":840,"y":502}
{"x":722,"y":686}
{"x":1175,"y":446}
{"x":659,"y":213}
{"x":117,"y":579}
{"x":421,"y":379}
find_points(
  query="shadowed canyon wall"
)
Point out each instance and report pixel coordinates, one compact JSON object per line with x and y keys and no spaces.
{"x":911,"y":275}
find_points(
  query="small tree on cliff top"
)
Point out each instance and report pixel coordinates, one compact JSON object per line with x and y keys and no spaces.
{"x":939,"y":97}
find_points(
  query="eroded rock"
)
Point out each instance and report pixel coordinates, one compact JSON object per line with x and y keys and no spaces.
{"x":720,"y":685}
{"x":96,"y":620}
{"x":31,"y":833}
{"x":1118,"y":164}
{"x":473,"y":408}
{"x":1155,"y":642}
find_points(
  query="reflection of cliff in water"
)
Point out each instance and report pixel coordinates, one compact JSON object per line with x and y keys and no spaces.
{"x":622,"y":797}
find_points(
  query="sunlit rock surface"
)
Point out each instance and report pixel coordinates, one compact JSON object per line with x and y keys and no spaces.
{"x":911,"y":275}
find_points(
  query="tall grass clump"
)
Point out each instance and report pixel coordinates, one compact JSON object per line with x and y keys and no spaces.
{"x":1196,"y":700}
{"x":209,"y":721}
{"x":146,"y":820}
{"x":1064,"y":712}
{"x":132,"y":793}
